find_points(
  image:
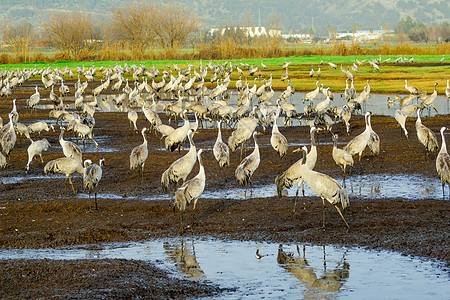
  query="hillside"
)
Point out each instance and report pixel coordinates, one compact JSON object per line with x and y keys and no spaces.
{"x":293,"y":15}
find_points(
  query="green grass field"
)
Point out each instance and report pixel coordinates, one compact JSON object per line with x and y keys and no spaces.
{"x":424,"y":72}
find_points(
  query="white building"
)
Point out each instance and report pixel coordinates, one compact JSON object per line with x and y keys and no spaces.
{"x":362,"y":35}
{"x":248,"y":31}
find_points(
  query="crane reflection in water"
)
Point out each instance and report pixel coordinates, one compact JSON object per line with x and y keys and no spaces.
{"x":317,"y":286}
{"x":182,"y":253}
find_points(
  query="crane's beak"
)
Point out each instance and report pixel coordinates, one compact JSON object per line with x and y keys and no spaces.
{"x":297,"y":150}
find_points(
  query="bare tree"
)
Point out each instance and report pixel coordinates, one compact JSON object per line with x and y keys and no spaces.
{"x":68,"y":32}
{"x":173,"y":24}
{"x":19,"y":37}
{"x":273,"y":21}
{"x":132,"y":23}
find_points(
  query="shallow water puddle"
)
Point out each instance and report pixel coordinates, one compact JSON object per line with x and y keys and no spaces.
{"x":377,"y":186}
{"x":18,"y":179}
{"x":371,"y":186}
{"x":298,"y":272}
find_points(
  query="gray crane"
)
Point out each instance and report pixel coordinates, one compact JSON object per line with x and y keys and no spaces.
{"x":70,"y":149}
{"x":178,"y":136}
{"x":248,"y":166}
{"x":324,"y":186}
{"x":359,"y":142}
{"x":133,"y":116}
{"x":346,"y":114}
{"x":221,"y":150}
{"x":181,"y":168}
{"x":428,"y":101}
{"x":443,"y":163}
{"x":426,"y":136}
{"x":277,"y":140}
{"x":34,"y":99}
{"x":292,"y":175}
{"x":66,"y":166}
{"x":411,"y":89}
{"x":91,"y":178}
{"x":36,"y":148}
{"x":374,"y":141}
{"x":400,"y":117}
{"x":139,"y":155}
{"x":310,"y":96}
{"x":191,"y":190}
{"x":341,"y":157}
{"x":9,"y":137}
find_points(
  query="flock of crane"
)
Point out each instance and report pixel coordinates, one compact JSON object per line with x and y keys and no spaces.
{"x":189,"y":90}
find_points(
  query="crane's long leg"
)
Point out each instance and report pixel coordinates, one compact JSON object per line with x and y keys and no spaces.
{"x":296,"y":196}
{"x":323,"y":201}
{"x":181,"y":223}
{"x":193,"y":220}
{"x":339,"y":211}
{"x":65,"y":188}
{"x":96,"y":207}
{"x":303,"y":192}
{"x":70,"y":180}
{"x":242,"y":147}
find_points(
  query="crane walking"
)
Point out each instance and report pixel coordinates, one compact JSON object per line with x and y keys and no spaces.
{"x":191,"y":190}
{"x":91,"y":178}
{"x":324,"y":186}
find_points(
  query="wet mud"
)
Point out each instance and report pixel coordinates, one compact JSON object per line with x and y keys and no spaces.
{"x":34,"y":213}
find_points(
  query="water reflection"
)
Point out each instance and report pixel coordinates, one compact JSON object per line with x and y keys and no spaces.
{"x":316,"y":287}
{"x":371,"y":186}
{"x":301,"y":275}
{"x":182,"y":253}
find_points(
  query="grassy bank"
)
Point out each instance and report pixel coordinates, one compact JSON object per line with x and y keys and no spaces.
{"x":423,"y":73}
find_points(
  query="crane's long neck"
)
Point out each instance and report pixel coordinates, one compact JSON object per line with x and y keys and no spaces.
{"x":145,"y":138}
{"x":313,"y":139}
{"x":335,"y":143}
{"x":11,"y":127}
{"x":201,"y":171}
{"x":256,"y":150}
{"x":192,"y":148}
{"x":219,"y":133}
{"x":444,"y":145}
{"x":369,"y":123}
{"x":368,"y":127}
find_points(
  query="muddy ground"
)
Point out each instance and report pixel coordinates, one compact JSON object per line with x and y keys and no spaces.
{"x":35,"y":214}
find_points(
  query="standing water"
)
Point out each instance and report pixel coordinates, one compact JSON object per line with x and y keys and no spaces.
{"x":306,"y":271}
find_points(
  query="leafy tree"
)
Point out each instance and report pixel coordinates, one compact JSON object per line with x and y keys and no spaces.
{"x":404,"y":25}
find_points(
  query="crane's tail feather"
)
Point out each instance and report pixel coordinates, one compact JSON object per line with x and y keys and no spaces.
{"x":232,"y":143}
{"x":241,"y":176}
{"x":343,"y":197}
{"x":280,"y":182}
{"x":180,"y":200}
{"x":50,"y":167}
{"x":165,"y":181}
